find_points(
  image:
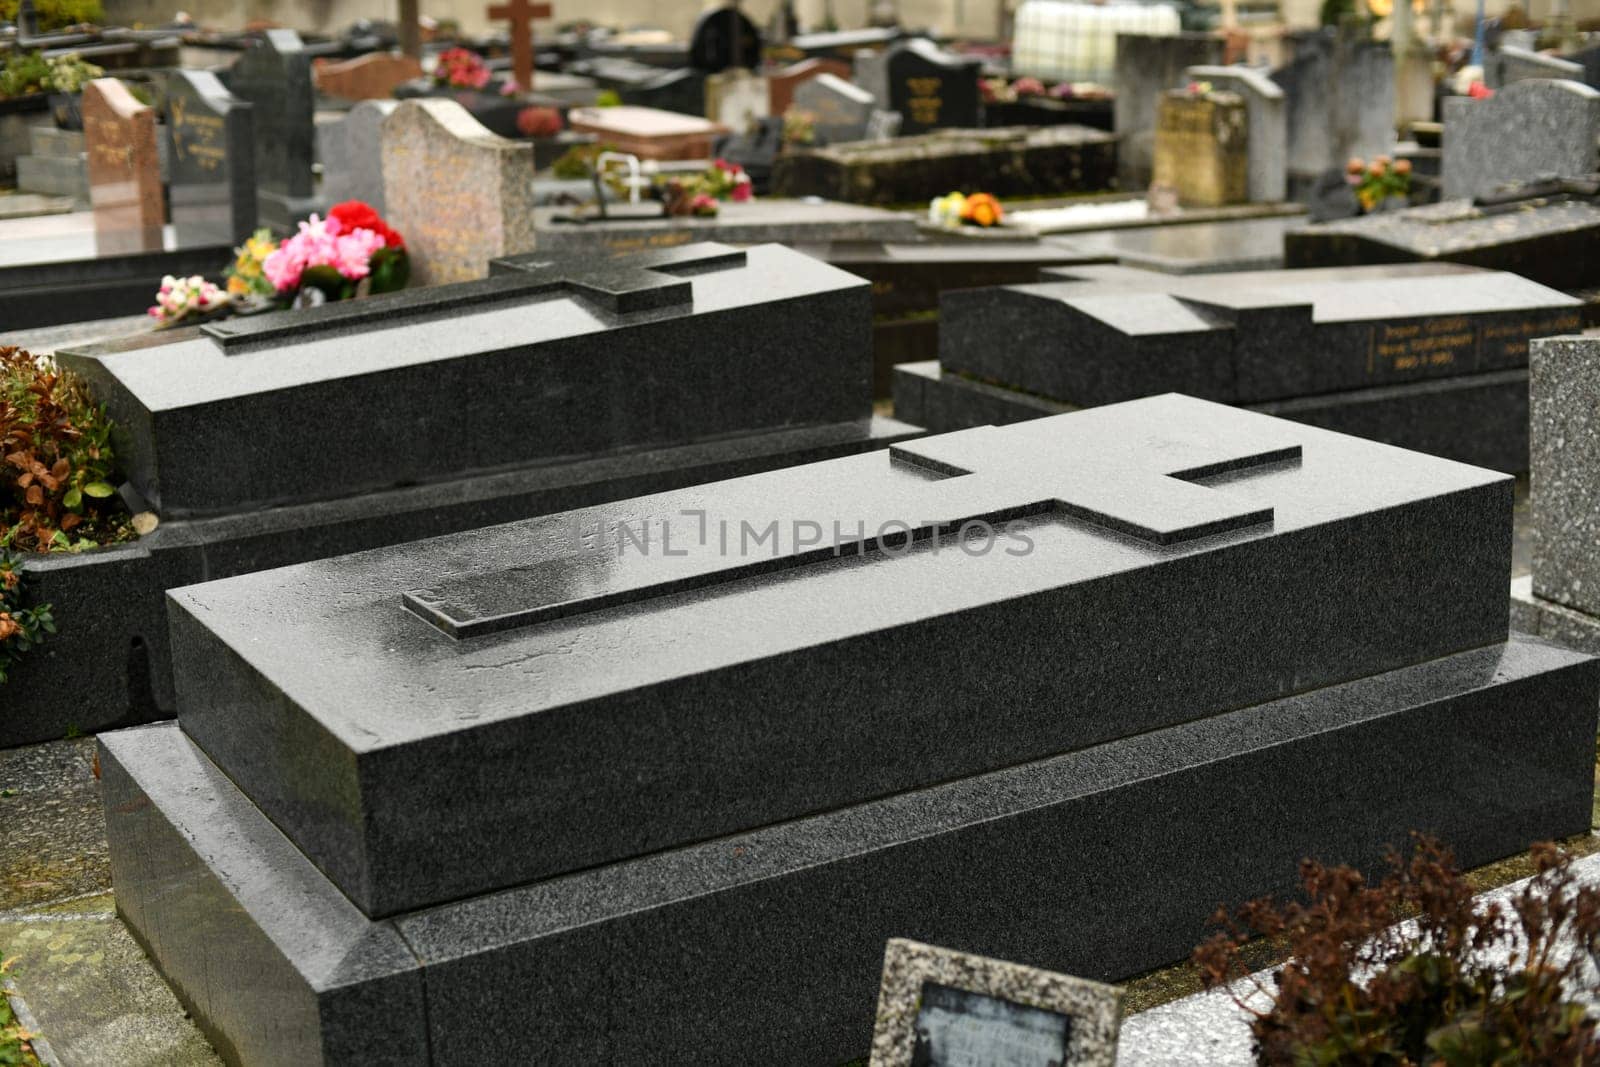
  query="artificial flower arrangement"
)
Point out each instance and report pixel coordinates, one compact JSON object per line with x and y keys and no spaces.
{"x":1001,"y":91}
{"x":1379,"y":181}
{"x":701,"y":195}
{"x":539,"y":122}
{"x":1198,"y":88}
{"x":460,"y":68}
{"x":799,"y":126}
{"x":957,"y":210}
{"x":351,"y":253}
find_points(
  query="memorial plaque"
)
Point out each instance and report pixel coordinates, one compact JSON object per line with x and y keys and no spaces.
{"x":941,"y":1008}
{"x":119,"y":138}
{"x":212,"y":186}
{"x":932,"y":88}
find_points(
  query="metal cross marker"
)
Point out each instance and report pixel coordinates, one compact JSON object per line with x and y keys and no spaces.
{"x":986,"y":475}
{"x":520,"y":13}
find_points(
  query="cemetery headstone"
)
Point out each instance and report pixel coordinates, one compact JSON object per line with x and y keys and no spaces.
{"x":521,"y":13}
{"x":352,"y":154}
{"x":1507,"y":65}
{"x":932,"y":89}
{"x":842,"y":110}
{"x":736,"y":99}
{"x":942,"y":1008}
{"x":274,"y":76}
{"x":1560,"y":600}
{"x":724,"y":37}
{"x":1146,"y":67}
{"x":782,"y":84}
{"x":870,"y":70}
{"x":369,"y":77}
{"x":1202,"y":147}
{"x":119,"y":136}
{"x":1268,"y":129}
{"x":1529,"y":129}
{"x":657,"y":760}
{"x":459,"y":194}
{"x":1338,"y":101}
{"x":1425,"y":356}
{"x":647,"y":132}
{"x":212,"y":186}
{"x":682,"y":90}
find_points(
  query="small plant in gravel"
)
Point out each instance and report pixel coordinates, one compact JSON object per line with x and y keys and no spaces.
{"x":1466,"y":982}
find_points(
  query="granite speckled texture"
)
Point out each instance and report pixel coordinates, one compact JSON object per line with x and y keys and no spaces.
{"x":213,"y":180}
{"x":454,"y":228}
{"x":119,"y":140}
{"x":513,"y":736}
{"x":1526,"y":130}
{"x":1565,"y":476}
{"x":1531,"y":614}
{"x":1100,"y":334}
{"x":700,"y":954}
{"x":274,"y":76}
{"x":1092,"y":1007}
{"x":1480,"y":419}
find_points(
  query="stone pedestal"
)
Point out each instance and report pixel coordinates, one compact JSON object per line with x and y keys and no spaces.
{"x":1203,"y":148}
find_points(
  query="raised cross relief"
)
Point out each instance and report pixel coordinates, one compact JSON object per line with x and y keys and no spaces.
{"x":641,"y":283}
{"x":1145,"y":489}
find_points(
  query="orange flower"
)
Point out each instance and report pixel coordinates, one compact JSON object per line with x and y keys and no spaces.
{"x":983,"y":210}
{"x":1402,"y":167}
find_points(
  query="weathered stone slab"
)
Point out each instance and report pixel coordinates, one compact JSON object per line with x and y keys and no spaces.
{"x":454,"y":228}
{"x":1268,"y":130}
{"x":1529,"y":129}
{"x":842,"y":110}
{"x":119,"y":138}
{"x":1203,"y":148}
{"x":213,"y":183}
{"x":1565,"y":481}
{"x":369,"y":77}
{"x":1146,"y":67}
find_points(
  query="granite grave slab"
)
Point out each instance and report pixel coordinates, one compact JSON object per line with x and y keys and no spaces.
{"x":274,"y":77}
{"x":647,"y":132}
{"x":453,"y":229}
{"x":119,"y":138}
{"x":566,"y":356}
{"x":1529,"y":129}
{"x":755,"y":221}
{"x":802,"y":839}
{"x":1212,"y":247}
{"x":213,"y":186}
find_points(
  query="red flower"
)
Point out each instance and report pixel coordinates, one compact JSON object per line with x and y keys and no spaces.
{"x":358,"y":215}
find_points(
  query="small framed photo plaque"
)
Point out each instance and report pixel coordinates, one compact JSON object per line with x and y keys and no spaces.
{"x":942,"y":1008}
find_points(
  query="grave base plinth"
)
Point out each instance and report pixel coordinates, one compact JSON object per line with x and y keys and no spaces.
{"x":765,"y":946}
{"x":1532,"y":614}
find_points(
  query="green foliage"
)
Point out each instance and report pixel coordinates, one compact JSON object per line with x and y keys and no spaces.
{"x":608,"y":98}
{"x":578,"y":162}
{"x":1364,"y":989}
{"x":70,"y":73}
{"x":57,"y":14}
{"x":29,"y":72}
{"x":21,"y":628}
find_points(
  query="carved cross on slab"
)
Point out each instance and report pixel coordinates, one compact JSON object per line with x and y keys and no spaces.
{"x":641,"y":283}
{"x":1144,"y":489}
{"x":521,"y":13}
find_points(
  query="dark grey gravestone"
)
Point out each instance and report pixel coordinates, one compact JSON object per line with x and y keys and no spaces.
{"x":842,"y":110}
{"x":1507,"y":65}
{"x":212,"y":188}
{"x":1098,"y":335}
{"x":682,"y":90}
{"x":274,"y":76}
{"x":1529,"y":129}
{"x":724,"y":37}
{"x":352,"y":156}
{"x":1339,"y":99}
{"x":643,"y":750}
{"x":932,"y":89}
{"x":1561,"y":599}
{"x":1145,"y":68}
{"x":1553,"y":240}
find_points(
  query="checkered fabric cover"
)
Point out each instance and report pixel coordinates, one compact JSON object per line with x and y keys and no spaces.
{"x":1059,"y":41}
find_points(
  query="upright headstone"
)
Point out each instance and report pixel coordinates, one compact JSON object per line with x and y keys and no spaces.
{"x":1561,"y":599}
{"x":842,"y":111}
{"x":369,"y":77}
{"x":870,"y":70}
{"x":1146,"y":67}
{"x":781,"y":85}
{"x":1507,"y":65}
{"x":212,"y":186}
{"x":1339,"y":102}
{"x":736,"y":98}
{"x":1529,"y":129}
{"x":1268,"y":128}
{"x":461,"y":195}
{"x":274,"y":76}
{"x":1202,"y":147}
{"x":521,"y":13}
{"x":724,"y":37}
{"x":352,"y":154}
{"x":932,"y":89}
{"x":119,"y":138}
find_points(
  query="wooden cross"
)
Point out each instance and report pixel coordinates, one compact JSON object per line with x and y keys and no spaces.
{"x":521,"y":13}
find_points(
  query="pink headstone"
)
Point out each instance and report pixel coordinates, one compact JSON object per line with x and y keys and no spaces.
{"x":119,"y":137}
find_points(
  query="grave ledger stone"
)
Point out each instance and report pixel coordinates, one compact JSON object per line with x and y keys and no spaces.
{"x":631,"y":735}
{"x":1529,"y":129}
{"x":213,"y":184}
{"x":460,"y":194}
{"x":274,"y":76}
{"x":1431,"y":356}
{"x":119,"y":138}
{"x":1561,"y":598}
{"x":635,"y":374}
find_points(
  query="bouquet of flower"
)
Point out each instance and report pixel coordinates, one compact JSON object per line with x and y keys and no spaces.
{"x":351,"y":253}
{"x":247,"y":277}
{"x":956,"y":210}
{"x":726,"y":181}
{"x":459,"y":68}
{"x":680,"y":196}
{"x":186,"y":298}
{"x":538,"y":122}
{"x":799,"y":126}
{"x":1378,"y":181}
{"x":71,"y":72}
